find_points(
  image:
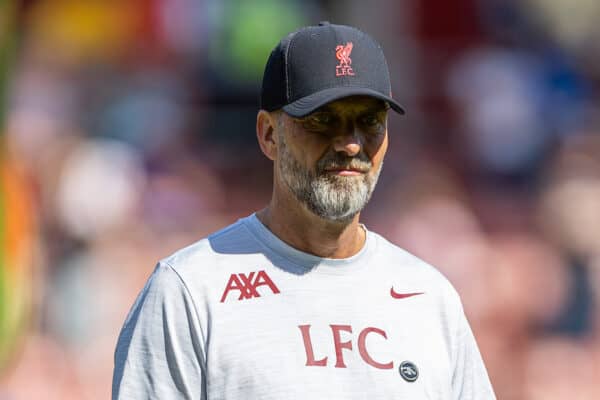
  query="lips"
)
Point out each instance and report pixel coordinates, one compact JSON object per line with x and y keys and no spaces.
{"x":352,"y":167}
{"x":346,"y":172}
{"x":335,"y":163}
{"x":347,"y":169}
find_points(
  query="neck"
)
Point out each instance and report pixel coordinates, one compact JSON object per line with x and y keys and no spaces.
{"x":312,"y":234}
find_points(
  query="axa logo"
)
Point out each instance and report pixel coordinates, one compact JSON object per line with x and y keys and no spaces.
{"x":342,"y":53}
{"x":247,"y":285}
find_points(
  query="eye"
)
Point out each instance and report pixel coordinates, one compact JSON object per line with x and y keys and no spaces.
{"x":319,"y":121}
{"x":321,"y":118}
{"x":370,"y":120}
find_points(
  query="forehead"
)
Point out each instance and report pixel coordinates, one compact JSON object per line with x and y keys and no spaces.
{"x":354,"y":104}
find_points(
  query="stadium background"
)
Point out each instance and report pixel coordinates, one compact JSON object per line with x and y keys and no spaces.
{"x":128,"y":131}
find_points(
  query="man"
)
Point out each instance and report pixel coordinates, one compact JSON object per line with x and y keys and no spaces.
{"x":299,"y":300}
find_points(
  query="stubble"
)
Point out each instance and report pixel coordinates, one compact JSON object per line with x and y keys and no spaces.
{"x":329,"y":196}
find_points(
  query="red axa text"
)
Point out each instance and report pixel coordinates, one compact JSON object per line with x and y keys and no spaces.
{"x":247,"y":285}
{"x":339,"y":345}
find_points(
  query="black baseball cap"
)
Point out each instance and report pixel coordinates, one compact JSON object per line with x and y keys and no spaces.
{"x":319,"y":64}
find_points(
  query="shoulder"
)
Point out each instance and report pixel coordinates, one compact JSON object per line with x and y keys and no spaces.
{"x":223,"y":252}
{"x":402,"y":266}
{"x":233,"y":239}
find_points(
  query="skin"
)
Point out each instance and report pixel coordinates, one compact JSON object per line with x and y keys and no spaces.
{"x":349,"y":126}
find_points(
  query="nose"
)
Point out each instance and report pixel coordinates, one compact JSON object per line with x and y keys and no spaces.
{"x":349,"y":143}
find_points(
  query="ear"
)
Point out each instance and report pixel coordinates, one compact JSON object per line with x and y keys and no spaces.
{"x":265,"y":133}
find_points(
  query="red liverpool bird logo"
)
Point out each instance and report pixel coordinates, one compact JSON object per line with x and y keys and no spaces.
{"x":342,"y":53}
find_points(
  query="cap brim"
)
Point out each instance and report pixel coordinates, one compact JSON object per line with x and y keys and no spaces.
{"x":308,"y":104}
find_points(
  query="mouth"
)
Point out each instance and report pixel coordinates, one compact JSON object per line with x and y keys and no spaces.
{"x":346,"y":171}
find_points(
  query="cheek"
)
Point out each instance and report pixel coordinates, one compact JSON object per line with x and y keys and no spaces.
{"x":309,"y":149}
{"x":376,"y":148}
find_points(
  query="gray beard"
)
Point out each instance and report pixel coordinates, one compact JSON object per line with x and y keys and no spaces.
{"x":331,"y":197}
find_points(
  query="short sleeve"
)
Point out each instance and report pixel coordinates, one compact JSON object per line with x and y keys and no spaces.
{"x":470,"y":380}
{"x":160,"y":351}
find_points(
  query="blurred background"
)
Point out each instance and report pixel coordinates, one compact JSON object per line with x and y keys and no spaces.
{"x":127,"y":131}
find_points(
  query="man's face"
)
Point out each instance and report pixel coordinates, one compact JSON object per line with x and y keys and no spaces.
{"x":330,"y":160}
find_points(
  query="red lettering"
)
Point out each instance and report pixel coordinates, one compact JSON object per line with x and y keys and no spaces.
{"x":263,"y":279}
{"x":310,"y":355}
{"x":339,"y":345}
{"x":247,"y":285}
{"x":362,"y":348}
{"x":233,"y":283}
{"x":248,"y":291}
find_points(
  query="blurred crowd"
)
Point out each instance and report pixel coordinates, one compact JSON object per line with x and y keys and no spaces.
{"x":132,"y":123}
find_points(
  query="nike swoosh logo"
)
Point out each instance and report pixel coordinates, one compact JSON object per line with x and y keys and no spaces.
{"x":397,"y":295}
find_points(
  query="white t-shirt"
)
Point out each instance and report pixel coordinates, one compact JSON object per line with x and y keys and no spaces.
{"x":243,"y":315}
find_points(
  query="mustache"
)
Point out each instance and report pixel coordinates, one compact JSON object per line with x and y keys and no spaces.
{"x":339,"y":160}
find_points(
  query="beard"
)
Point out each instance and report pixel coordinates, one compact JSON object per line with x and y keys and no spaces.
{"x":329,"y":196}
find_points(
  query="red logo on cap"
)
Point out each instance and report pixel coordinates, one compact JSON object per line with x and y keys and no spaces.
{"x":342,"y":53}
